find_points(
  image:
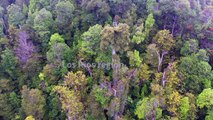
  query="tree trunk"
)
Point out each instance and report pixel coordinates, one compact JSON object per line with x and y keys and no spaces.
{"x":164,"y":78}
{"x":173,"y":26}
{"x":160,"y":59}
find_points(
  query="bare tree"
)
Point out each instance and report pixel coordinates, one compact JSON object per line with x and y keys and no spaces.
{"x":25,"y":48}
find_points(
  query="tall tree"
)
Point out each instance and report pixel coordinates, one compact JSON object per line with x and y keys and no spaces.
{"x":64,"y":16}
{"x":88,"y":47}
{"x":151,"y":56}
{"x":5,"y":107}
{"x":189,"y":47}
{"x":196,"y":73}
{"x":204,"y":27}
{"x":36,"y":5}
{"x":58,"y":53}
{"x":164,"y":42}
{"x":64,"y":11}
{"x":9,"y":63}
{"x":115,"y":38}
{"x":76,"y":81}
{"x":174,"y":101}
{"x":100,"y":7}
{"x":70,"y":101}
{"x":148,"y":109}
{"x":25,"y":49}
{"x":33,"y":102}
{"x":43,"y":23}
{"x":59,"y":50}
{"x":16,"y":16}
{"x":142,"y":32}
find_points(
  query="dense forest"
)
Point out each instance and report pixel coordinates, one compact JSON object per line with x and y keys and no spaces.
{"x":106,"y":59}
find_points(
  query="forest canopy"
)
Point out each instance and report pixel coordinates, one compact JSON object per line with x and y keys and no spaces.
{"x":106,"y":59}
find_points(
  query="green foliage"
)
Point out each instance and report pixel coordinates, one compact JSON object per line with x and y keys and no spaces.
{"x":41,"y":76}
{"x":70,"y":101}
{"x":51,"y":73}
{"x":35,"y":5}
{"x":91,"y":39}
{"x":140,"y":111}
{"x":15,"y":100}
{"x":144,"y":109}
{"x":44,"y":3}
{"x":209,"y":115}
{"x":33,"y":102}
{"x":139,"y":36}
{"x":189,"y":47}
{"x":100,"y":96}
{"x":16,"y":15}
{"x":174,"y":101}
{"x":30,"y":118}
{"x":144,"y":72}
{"x":9,"y":63}
{"x":151,"y":56}
{"x":195,"y":73}
{"x":164,"y":40}
{"x":173,"y":79}
{"x":5,"y":107}
{"x":43,"y":20}
{"x":117,"y":37}
{"x":204,"y":98}
{"x":93,"y":34}
{"x":33,"y":66}
{"x":58,"y":52}
{"x":99,"y":7}
{"x":5,"y":85}
{"x":143,"y":32}
{"x":163,"y":47}
{"x":64,"y":12}
{"x":77,"y":80}
{"x":134,"y":58}
{"x":32,"y":5}
{"x":150,"y":5}
{"x":43,"y":23}
{"x":56,"y":38}
{"x":104,"y":56}
{"x":184,"y":107}
{"x":54,"y":108}
{"x":150,"y":21}
{"x":202,"y":55}
{"x":144,"y":91}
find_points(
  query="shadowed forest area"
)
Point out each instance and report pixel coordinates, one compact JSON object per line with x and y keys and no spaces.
{"x":106,"y":59}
